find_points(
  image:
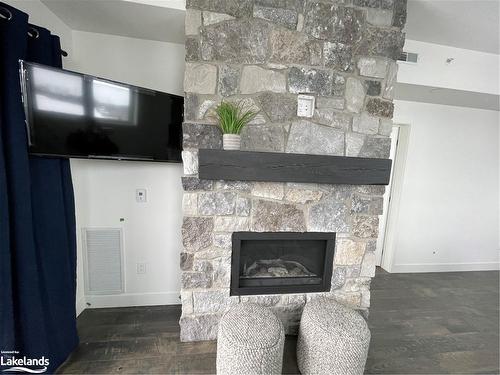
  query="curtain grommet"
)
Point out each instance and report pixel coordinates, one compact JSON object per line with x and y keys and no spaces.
{"x":5,"y":14}
{"x":33,"y":33}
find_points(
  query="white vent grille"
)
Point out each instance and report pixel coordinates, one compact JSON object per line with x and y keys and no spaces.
{"x":103,"y":260}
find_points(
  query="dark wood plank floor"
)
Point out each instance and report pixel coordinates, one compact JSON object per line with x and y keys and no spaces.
{"x":434,"y":323}
{"x":421,"y":324}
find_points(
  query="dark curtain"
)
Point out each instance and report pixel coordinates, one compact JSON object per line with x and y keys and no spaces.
{"x":37,"y":217}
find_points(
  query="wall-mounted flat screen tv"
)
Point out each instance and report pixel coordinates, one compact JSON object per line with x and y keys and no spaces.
{"x":76,"y":115}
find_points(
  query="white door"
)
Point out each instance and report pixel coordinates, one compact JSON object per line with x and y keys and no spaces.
{"x":387,"y":197}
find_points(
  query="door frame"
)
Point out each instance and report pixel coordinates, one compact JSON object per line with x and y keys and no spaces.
{"x":385,"y":198}
{"x":396,"y":190}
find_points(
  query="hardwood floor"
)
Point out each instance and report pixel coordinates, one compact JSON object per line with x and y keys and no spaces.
{"x":434,"y":323}
{"x":421,"y":324}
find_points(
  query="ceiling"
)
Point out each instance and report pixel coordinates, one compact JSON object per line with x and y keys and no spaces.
{"x":160,"y":20}
{"x":469,"y":24}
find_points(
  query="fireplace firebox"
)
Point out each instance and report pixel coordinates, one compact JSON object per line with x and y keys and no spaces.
{"x":281,"y":262}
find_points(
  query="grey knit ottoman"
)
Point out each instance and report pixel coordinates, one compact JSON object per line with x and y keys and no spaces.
{"x":250,"y":341}
{"x":333,"y":339}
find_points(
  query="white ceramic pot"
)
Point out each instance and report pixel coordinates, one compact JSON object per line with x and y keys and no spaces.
{"x":231,"y":142}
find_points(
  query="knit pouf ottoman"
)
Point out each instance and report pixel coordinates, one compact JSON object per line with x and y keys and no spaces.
{"x":333,"y":339}
{"x":250,"y":340}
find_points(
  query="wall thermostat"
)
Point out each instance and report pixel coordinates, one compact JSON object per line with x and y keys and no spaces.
{"x":305,"y":105}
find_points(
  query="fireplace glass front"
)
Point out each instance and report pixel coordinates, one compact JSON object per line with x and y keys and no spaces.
{"x":281,"y":262}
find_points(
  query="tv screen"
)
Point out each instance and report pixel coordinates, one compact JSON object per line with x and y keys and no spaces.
{"x":70,"y":114}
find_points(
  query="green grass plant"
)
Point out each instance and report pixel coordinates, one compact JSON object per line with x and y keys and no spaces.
{"x":232,"y":117}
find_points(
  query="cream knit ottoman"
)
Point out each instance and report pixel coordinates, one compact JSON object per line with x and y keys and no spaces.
{"x":250,"y":340}
{"x":333,"y":339}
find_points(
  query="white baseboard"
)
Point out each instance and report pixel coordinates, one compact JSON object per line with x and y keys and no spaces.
{"x":445,"y":267}
{"x":80,"y":305}
{"x":133,"y":299}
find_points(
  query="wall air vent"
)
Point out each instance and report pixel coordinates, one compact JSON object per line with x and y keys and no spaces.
{"x":408,"y":57}
{"x":103,"y":260}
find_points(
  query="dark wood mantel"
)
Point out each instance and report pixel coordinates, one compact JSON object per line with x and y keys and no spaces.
{"x":284,"y":167}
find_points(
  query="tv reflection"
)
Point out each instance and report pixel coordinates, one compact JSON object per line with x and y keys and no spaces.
{"x":105,"y":104}
{"x":70,"y":94}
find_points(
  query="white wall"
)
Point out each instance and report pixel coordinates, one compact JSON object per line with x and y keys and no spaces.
{"x":105,"y":195}
{"x":105,"y":190}
{"x":469,"y":71}
{"x":147,"y":63}
{"x":448,"y":216}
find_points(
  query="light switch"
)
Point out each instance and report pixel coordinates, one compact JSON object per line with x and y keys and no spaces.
{"x":305,"y":105}
{"x":141,"y":196}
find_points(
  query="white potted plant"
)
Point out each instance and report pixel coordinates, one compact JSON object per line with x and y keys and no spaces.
{"x":232,"y":118}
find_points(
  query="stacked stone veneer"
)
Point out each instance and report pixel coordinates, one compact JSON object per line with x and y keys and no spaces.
{"x":266,"y":52}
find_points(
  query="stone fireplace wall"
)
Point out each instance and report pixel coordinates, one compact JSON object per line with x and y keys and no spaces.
{"x":266,"y":52}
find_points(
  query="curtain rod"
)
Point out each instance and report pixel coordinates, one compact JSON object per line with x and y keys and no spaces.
{"x":33,"y":33}
{"x":6,"y":15}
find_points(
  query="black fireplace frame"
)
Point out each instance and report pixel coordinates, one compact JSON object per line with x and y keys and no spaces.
{"x":324,"y":286}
